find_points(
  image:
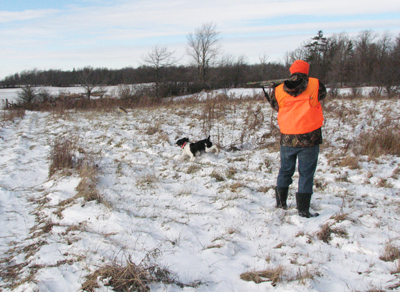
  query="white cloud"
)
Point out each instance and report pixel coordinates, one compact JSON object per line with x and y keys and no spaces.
{"x":13,"y":16}
{"x":122,"y":32}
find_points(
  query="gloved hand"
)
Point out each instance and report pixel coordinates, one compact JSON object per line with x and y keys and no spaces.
{"x":266,"y":94}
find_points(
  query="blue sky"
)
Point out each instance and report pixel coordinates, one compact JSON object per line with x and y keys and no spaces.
{"x":115,"y":34}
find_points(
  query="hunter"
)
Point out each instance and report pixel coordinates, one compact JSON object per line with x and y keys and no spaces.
{"x":300,"y":119}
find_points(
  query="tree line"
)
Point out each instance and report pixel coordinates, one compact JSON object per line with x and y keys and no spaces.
{"x":340,"y":60}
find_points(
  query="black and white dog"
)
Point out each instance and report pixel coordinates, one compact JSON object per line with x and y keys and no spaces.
{"x":193,"y":149}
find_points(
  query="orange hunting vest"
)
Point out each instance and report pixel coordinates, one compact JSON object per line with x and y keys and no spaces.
{"x":301,"y":114}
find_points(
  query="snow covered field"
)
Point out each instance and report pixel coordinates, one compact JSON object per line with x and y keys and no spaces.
{"x":210,"y":222}
{"x":11,"y":94}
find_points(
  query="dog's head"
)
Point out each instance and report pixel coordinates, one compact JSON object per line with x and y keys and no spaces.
{"x":208,"y":142}
{"x":182,"y":142}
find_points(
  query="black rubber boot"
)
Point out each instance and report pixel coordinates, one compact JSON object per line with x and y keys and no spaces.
{"x":303,"y":205}
{"x":281,"y":195}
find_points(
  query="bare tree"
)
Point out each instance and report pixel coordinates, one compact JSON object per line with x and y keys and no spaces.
{"x":263,"y":64}
{"x":384,"y":73}
{"x":300,"y":53}
{"x":364,"y":57}
{"x":231,"y":71}
{"x":203,"y":47}
{"x":340,"y":51}
{"x":159,"y":58}
{"x":92,"y":81}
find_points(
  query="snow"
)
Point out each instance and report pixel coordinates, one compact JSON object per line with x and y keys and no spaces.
{"x":205,"y":230}
{"x":11,"y":94}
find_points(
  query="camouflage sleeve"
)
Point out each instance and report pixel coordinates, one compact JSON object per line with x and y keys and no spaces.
{"x":274,"y":102}
{"x":321,"y":91}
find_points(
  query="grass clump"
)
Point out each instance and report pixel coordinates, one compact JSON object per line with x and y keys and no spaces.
{"x":193,"y":169}
{"x":326,"y":231}
{"x":129,"y":277}
{"x":275,"y":275}
{"x":12,"y":114}
{"x":215,"y":174}
{"x":391,"y":253}
{"x":62,"y":156}
{"x":87,"y":187}
{"x":380,"y":142}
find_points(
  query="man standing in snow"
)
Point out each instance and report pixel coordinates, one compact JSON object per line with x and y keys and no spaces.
{"x":300,"y":119}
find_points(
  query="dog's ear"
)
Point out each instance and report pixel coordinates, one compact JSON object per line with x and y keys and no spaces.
{"x":208,"y":138}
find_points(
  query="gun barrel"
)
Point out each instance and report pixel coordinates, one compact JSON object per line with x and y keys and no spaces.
{"x":268,"y":83}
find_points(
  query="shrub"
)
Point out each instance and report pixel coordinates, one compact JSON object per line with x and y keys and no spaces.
{"x":27,"y":94}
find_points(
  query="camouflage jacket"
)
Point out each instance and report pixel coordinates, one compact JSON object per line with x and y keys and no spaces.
{"x":295,"y":86}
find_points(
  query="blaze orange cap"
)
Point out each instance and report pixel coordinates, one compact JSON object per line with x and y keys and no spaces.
{"x":299,"y":66}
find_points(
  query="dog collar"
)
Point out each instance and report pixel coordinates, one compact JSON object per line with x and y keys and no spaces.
{"x":183,"y":145}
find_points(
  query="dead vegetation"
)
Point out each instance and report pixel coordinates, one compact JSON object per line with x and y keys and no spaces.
{"x":391,"y":253}
{"x":87,"y":187}
{"x":12,"y":114}
{"x":326,"y":232}
{"x":62,"y":157}
{"x":274,"y":275}
{"x":379,"y":142}
{"x":128,"y":277}
{"x":279,"y":274}
{"x":133,"y":277}
{"x":66,"y":157}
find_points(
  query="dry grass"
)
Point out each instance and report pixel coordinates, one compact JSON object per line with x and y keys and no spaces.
{"x":350,"y":161}
{"x":396,"y":173}
{"x":131,"y":276}
{"x":62,"y":157}
{"x":62,"y":206}
{"x":236,"y":187}
{"x":70,"y":101}
{"x":326,"y":231}
{"x":41,"y":229}
{"x":230,"y":173}
{"x":193,"y":168}
{"x":87,"y":187}
{"x":153,"y":129}
{"x":340,"y":217}
{"x":12,"y":114}
{"x":275,"y":275}
{"x":397,"y":269}
{"x":305,"y":273}
{"x":147,"y":180}
{"x":391,"y":253}
{"x":379,"y":142}
{"x":218,"y":176}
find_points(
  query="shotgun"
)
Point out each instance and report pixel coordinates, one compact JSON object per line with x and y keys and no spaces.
{"x":268,"y":83}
